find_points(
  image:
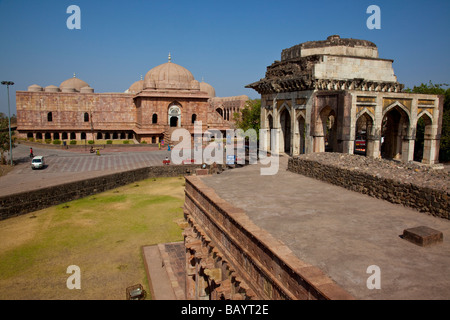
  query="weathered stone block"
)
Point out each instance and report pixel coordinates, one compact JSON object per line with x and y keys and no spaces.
{"x":423,"y":236}
{"x":201,"y":172}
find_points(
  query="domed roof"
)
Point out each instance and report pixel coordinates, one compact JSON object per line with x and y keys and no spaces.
{"x":209,"y":89}
{"x":73,"y":83}
{"x":51,"y":88}
{"x":136,"y":87}
{"x":35,"y":87}
{"x":170,"y":75}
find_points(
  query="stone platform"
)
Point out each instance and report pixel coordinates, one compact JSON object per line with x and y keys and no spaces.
{"x":341,"y":232}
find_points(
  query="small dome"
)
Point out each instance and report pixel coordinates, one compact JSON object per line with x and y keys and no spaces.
{"x":73,"y":83}
{"x":209,"y":89}
{"x":51,"y":88}
{"x":136,"y":87}
{"x":170,"y":76}
{"x":87,"y":90}
{"x":34,"y":87}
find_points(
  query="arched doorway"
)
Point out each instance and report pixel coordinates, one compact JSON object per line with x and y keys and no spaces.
{"x":302,"y":135}
{"x":394,"y":127}
{"x":363,"y":130}
{"x":174,"y":115}
{"x":285,"y":125}
{"x":326,"y":131}
{"x":423,"y":134}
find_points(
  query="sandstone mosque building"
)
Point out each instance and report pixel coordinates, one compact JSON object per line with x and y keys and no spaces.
{"x":331,"y":95}
{"x":149,"y":110}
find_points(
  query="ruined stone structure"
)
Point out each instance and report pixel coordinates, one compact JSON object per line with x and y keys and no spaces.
{"x":167,"y":98}
{"x":228,"y":257}
{"x":337,"y":94}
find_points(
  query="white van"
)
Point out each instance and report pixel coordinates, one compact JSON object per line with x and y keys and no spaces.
{"x":37,"y":162}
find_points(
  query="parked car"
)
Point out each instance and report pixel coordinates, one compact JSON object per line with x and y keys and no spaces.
{"x":37,"y":162}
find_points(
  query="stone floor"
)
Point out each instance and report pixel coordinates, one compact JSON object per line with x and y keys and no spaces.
{"x":342,"y":232}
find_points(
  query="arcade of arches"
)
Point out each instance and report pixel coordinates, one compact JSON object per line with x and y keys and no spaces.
{"x":338,"y":95}
{"x":400,"y":126}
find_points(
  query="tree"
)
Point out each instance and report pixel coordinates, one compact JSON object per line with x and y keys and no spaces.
{"x":250,"y":117}
{"x":4,"y":137}
{"x":430,"y":88}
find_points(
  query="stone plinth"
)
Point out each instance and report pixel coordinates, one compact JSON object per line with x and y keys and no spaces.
{"x":201,"y":172}
{"x":423,"y":236}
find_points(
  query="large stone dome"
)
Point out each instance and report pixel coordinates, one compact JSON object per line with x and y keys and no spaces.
{"x":170,"y":75}
{"x":73,"y":84}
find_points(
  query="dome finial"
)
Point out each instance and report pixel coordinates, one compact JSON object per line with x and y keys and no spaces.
{"x":170,"y":58}
{"x":141,"y":76}
{"x":74,"y":75}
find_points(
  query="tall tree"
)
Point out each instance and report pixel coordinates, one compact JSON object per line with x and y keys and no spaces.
{"x":250,"y":117}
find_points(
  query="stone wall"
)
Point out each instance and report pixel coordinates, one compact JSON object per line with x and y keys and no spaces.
{"x":25,"y":202}
{"x":419,"y":187}
{"x":229,"y":257}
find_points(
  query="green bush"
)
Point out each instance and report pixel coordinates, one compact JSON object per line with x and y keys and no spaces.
{"x":48,"y":141}
{"x":126,"y":141}
{"x":31,"y":139}
{"x":108,"y":141}
{"x":39,"y":140}
{"x":73,"y":141}
{"x":91,"y":141}
{"x":56,"y":141}
{"x":143,"y":142}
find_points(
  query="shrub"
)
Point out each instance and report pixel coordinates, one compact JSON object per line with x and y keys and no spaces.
{"x":108,"y":141}
{"x":56,"y":141}
{"x":31,"y":139}
{"x":144,"y":142}
{"x":48,"y":141}
{"x":126,"y":141}
{"x":39,"y":140}
{"x":73,"y":141}
{"x":91,"y":141}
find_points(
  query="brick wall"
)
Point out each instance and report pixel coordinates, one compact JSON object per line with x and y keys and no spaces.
{"x":21,"y":203}
{"x":424,"y":199}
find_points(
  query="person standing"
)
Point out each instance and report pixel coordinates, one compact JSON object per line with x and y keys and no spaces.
{"x":31,"y":153}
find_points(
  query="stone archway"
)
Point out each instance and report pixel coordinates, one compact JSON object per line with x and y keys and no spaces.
{"x":302,"y":134}
{"x":285,"y":125}
{"x":422,"y":143}
{"x":326,"y":131}
{"x":394,"y":128}
{"x":174,"y":115}
{"x":363,"y":144}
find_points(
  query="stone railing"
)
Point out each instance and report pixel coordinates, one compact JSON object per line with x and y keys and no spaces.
{"x":228,"y":256}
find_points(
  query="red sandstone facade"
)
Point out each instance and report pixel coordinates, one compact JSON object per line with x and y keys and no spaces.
{"x":169,"y":97}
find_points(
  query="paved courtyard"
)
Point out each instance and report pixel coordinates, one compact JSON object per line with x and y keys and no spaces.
{"x":66,"y":165}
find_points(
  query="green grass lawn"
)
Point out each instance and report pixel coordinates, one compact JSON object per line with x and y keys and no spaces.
{"x":101,"y":234}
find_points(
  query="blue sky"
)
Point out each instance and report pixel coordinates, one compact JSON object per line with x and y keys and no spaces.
{"x":227,"y":43}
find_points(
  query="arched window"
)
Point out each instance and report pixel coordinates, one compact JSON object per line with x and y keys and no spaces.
{"x":83,"y":136}
{"x":86,"y":117}
{"x":155,"y":118}
{"x":194,"y":118}
{"x":49,"y":117}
